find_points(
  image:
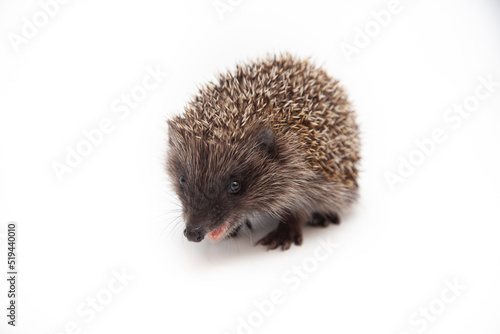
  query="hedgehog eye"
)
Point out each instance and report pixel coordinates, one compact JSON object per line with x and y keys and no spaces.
{"x":234,"y":186}
{"x":182,"y":181}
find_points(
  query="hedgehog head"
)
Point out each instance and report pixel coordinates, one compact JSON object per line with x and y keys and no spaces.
{"x":223,"y":182}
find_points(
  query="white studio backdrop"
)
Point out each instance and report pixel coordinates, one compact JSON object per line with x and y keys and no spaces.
{"x":86,"y":87}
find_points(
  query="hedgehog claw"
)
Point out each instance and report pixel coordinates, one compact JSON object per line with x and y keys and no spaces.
{"x":284,"y":235}
{"x":323,"y":220}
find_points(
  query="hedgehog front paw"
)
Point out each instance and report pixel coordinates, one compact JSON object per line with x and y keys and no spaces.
{"x":323,"y":220}
{"x":284,"y":235}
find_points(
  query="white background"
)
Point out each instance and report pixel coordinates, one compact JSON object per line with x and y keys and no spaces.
{"x":115,"y":210}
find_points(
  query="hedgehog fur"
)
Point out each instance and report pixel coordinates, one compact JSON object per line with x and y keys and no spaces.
{"x":285,"y":129}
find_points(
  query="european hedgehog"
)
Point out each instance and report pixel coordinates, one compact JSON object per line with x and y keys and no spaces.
{"x":275,"y":137}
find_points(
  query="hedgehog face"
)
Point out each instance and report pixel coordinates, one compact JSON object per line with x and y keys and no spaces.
{"x":220,"y":183}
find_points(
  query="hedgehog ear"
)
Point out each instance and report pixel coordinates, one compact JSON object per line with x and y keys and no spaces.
{"x":266,"y":141}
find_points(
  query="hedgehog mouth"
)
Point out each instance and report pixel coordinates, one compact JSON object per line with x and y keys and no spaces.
{"x":219,"y":232}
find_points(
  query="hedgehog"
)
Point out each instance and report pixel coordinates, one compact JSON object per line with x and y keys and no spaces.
{"x":276,"y":137}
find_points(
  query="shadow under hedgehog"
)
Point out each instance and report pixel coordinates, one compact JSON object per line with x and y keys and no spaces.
{"x":275,"y":137}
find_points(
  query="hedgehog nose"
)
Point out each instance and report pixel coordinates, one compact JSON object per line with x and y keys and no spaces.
{"x":194,"y":234}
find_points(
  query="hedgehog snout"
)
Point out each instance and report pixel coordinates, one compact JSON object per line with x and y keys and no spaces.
{"x":195,"y":234}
